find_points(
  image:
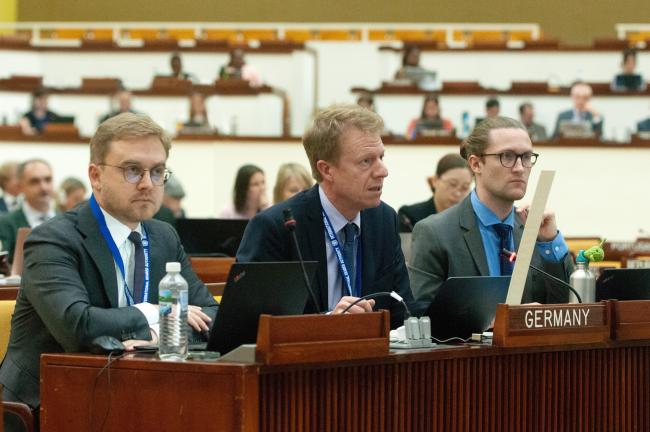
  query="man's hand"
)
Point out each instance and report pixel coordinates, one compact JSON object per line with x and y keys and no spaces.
{"x":198,"y":319}
{"x":361,"y":307}
{"x":547,"y":229}
{"x":132,"y":343}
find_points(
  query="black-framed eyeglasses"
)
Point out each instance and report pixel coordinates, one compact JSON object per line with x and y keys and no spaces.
{"x":134,"y":173}
{"x":509,"y":158}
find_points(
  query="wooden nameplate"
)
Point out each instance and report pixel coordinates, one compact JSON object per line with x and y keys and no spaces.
{"x":630,"y":319}
{"x":321,"y":338}
{"x":552,"y":324}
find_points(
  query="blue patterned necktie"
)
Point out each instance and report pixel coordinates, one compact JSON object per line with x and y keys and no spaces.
{"x":350,"y":231}
{"x":504,"y":231}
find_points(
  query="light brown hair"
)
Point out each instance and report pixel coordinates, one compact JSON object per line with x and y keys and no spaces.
{"x":285,"y":173}
{"x":125,"y":126}
{"x":322,"y":139}
{"x":479,"y":139}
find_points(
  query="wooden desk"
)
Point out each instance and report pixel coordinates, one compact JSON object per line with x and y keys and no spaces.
{"x":592,"y":388}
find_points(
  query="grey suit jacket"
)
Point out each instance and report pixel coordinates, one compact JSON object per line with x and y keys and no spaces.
{"x":69,"y":295}
{"x":9,"y":224}
{"x":568,"y":115}
{"x":450,"y":244}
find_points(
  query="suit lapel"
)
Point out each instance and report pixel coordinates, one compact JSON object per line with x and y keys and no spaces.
{"x":472,"y":236}
{"x":368,"y":249}
{"x":99,"y":252}
{"x":316,"y":244}
{"x":518,"y":231}
{"x":21,"y":219}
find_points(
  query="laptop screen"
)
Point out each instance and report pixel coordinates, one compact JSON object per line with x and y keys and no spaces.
{"x":211,"y":236}
{"x":466,"y":305}
{"x":623,"y":284}
{"x":252,"y":289}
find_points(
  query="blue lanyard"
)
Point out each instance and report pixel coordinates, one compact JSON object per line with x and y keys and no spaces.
{"x":334,"y":241}
{"x":108,"y":238}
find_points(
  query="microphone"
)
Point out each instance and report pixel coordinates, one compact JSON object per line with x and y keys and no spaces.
{"x":512,"y":257}
{"x":290,"y":225}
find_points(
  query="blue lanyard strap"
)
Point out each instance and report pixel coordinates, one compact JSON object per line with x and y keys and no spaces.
{"x":334,"y":241}
{"x":117,"y":257}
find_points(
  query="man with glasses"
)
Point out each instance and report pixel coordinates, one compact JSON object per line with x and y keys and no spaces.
{"x":95,"y":270}
{"x":471,"y":239}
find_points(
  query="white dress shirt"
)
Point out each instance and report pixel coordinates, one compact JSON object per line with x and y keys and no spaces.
{"x":35,"y":217}
{"x":335,"y":284}
{"x":120,"y":234}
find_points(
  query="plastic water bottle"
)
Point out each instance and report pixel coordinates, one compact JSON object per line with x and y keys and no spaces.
{"x":583,"y":281}
{"x":173,"y":301}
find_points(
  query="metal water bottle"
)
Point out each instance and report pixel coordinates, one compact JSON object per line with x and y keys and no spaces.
{"x":583,"y":281}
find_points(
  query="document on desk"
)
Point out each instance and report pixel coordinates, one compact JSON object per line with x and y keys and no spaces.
{"x":529,"y":238}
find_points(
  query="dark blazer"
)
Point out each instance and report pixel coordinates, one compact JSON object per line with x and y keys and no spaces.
{"x":383,"y":268}
{"x":643,"y":126}
{"x":409,"y":215}
{"x":3,"y":205}
{"x":9,"y":224}
{"x":69,"y":295}
{"x":450,"y":244}
{"x":568,"y":115}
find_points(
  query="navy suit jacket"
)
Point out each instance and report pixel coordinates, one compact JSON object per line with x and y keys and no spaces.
{"x":383,"y":267}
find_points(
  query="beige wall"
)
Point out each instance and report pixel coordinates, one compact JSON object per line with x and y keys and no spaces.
{"x":570,"y":20}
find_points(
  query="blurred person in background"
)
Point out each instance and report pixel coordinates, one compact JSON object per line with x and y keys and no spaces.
{"x":527,"y":116}
{"x":72,"y":192}
{"x":430,"y":119}
{"x":249,"y":194}
{"x":10,"y":185}
{"x":35,"y":120}
{"x":292,"y":178}
{"x":450,"y":185}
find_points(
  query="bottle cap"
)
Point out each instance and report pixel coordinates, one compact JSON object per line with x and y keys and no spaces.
{"x":173,"y":267}
{"x":581,"y":258}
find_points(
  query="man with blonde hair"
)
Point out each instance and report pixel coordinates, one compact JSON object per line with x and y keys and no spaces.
{"x":10,"y":185}
{"x":95,"y":270}
{"x":341,"y":222}
{"x":473,"y":237}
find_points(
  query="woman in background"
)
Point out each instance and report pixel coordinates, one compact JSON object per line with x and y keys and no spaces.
{"x":249,"y":194}
{"x":430,"y":119}
{"x":292,"y":178}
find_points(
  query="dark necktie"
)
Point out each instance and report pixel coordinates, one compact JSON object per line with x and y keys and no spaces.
{"x":350,"y":231}
{"x":504,"y":231}
{"x":138,"y":271}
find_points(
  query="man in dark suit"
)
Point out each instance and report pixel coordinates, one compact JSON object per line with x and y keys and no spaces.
{"x":35,"y":178}
{"x":9,"y":201}
{"x":73,"y":289}
{"x":582,"y":111}
{"x":468,"y":239}
{"x":341,"y":222}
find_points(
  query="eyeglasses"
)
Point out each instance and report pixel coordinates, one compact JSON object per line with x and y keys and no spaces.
{"x":509,"y":158}
{"x":456,"y":185}
{"x":134,"y":173}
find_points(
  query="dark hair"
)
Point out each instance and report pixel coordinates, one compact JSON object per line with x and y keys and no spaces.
{"x":427,"y":99}
{"x":242,"y":180}
{"x":450,"y":161}
{"x":478,"y":140}
{"x":492,"y":102}
{"x":407,"y":52}
{"x":40,"y":92}
{"x":628,"y":52}
{"x":20,"y":171}
{"x":523,"y":106}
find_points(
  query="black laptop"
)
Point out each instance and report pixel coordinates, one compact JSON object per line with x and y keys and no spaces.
{"x":630,"y":82}
{"x":466,"y":305}
{"x":274,"y":288}
{"x":211,"y":237}
{"x":623,"y":284}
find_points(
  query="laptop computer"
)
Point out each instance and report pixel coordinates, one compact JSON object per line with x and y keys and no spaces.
{"x":252,"y":289}
{"x":211,"y":237}
{"x":630,"y":82}
{"x":623,"y":284}
{"x":576,"y":129}
{"x":466,"y":305}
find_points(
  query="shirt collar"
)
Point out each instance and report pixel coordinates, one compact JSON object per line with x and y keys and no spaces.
{"x":118,"y":230}
{"x":337,"y":220}
{"x":35,"y":217}
{"x":486,"y":216}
